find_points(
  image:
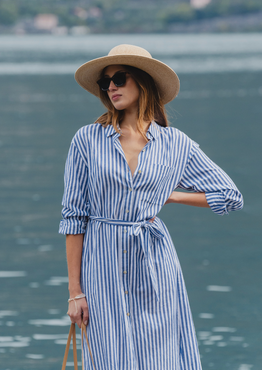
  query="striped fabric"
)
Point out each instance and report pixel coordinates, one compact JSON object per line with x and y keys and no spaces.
{"x":139,"y":313}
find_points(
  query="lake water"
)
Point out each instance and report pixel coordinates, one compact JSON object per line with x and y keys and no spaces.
{"x":219,"y":106}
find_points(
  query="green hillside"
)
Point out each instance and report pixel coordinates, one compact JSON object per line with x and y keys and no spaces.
{"x":133,"y":16}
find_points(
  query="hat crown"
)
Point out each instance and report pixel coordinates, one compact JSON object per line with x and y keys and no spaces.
{"x":126,"y":49}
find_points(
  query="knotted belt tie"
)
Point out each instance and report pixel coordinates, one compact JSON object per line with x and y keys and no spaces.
{"x":137,"y":230}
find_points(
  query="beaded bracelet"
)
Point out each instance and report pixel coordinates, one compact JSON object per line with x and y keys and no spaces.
{"x":77,"y":297}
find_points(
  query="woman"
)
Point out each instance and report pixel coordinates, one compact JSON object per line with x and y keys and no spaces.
{"x":125,"y":280}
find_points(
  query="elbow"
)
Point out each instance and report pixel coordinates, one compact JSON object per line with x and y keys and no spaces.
{"x":240,"y":202}
{"x":235,"y":202}
{"x":223,"y":202}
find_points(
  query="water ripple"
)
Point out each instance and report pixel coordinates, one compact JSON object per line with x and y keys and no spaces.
{"x":218,"y":288}
{"x":7,"y":313}
{"x":64,"y":321}
{"x":14,"y":342}
{"x":209,"y":64}
{"x":10,"y":274}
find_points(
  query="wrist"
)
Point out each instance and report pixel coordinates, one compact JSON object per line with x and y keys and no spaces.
{"x":79,"y":296}
{"x":175,"y":197}
{"x":73,"y":295}
{"x":74,"y":291}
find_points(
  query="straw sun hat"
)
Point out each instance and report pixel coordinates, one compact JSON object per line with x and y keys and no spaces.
{"x":165,"y":78}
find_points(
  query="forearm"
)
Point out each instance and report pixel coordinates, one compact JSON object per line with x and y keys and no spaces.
{"x":74,"y":246}
{"x":190,"y":199}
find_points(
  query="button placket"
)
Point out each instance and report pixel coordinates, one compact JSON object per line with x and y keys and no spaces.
{"x":129,"y":201}
{"x":125,"y":244}
{"x":129,"y":194}
{"x":126,"y":239}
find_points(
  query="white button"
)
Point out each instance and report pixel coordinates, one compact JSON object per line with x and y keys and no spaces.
{"x":128,"y":314}
{"x":139,"y":171}
{"x":125,"y":230}
{"x":130,"y":189}
{"x":143,"y":150}
{"x":127,"y":210}
{"x":126,"y":292}
{"x":125,"y":272}
{"x":125,"y":251}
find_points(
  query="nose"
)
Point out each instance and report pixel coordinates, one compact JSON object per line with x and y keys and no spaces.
{"x":112,"y":86}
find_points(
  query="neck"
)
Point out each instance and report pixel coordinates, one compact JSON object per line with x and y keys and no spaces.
{"x":129,"y":122}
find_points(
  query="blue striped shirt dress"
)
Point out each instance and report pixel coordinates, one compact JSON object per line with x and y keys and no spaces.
{"x":139,"y":313}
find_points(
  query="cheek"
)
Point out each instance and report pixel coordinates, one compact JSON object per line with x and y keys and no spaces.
{"x":133,"y":90}
{"x":135,"y":94}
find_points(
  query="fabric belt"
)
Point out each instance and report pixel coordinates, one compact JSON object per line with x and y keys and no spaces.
{"x":137,"y":229}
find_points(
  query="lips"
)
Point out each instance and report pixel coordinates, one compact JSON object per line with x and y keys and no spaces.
{"x":115,"y":96}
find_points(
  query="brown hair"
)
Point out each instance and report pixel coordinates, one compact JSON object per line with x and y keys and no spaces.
{"x":150,"y":105}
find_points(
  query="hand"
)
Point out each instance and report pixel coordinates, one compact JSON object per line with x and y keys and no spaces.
{"x":78,"y":311}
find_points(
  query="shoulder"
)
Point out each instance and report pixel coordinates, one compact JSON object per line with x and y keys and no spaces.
{"x":177,"y":145}
{"x":176,"y":137}
{"x":89,"y":135}
{"x":86,"y":133}
{"x":175,"y":133}
{"x":84,"y":139}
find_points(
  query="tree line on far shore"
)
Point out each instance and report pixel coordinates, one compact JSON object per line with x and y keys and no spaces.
{"x":114,"y":16}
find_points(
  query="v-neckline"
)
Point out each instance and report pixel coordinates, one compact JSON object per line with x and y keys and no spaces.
{"x":138,"y":157}
{"x":119,"y":147}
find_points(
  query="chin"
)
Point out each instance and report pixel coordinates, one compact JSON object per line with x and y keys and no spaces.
{"x":119,"y":106}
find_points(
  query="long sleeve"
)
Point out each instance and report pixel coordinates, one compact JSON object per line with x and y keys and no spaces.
{"x":203,"y":175}
{"x":75,"y":199}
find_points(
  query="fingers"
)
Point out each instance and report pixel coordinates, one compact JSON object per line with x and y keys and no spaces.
{"x":79,"y":321}
{"x":78,"y":311}
{"x":85,"y":315}
{"x":74,"y":312}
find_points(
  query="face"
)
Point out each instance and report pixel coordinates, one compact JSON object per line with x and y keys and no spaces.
{"x":122,"y":97}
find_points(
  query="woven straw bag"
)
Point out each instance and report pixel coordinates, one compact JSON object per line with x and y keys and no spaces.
{"x":72,"y":334}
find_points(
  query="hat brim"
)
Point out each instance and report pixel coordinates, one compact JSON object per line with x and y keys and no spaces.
{"x":165,"y":78}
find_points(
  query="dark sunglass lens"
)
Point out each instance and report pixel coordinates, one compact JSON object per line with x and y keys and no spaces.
{"x":104,"y":83}
{"x":119,"y":79}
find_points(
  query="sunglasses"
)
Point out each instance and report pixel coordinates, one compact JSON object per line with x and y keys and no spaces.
{"x":119,"y":79}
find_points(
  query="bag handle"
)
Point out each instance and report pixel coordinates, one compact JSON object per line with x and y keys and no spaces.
{"x":72,"y":333}
{"x":83,"y":330}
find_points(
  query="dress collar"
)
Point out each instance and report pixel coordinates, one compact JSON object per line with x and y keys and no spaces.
{"x":109,"y":131}
{"x":152,"y":132}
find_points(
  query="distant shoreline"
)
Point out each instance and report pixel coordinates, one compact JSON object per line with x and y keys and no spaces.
{"x":240,"y":23}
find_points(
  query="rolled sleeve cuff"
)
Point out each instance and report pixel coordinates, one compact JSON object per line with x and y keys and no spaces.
{"x":217,"y":203}
{"x":72,"y":227}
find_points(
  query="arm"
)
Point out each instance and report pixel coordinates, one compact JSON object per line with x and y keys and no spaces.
{"x":75,"y":200}
{"x":190,"y":199}
{"x":74,"y":246}
{"x":73,"y":224}
{"x":202,"y":175}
